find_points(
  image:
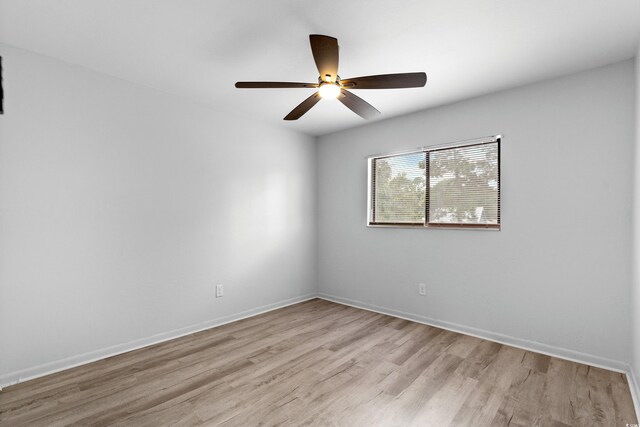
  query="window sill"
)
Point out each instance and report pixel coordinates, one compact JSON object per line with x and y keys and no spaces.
{"x":491,"y":227}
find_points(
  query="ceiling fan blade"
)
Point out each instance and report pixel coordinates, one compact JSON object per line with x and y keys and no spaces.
{"x":325,"y":53}
{"x":303,"y":107}
{"x":386,"y":81}
{"x":273,"y":85}
{"x":357,"y":105}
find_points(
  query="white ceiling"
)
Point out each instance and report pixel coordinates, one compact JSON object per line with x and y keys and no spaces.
{"x":200,"y":48}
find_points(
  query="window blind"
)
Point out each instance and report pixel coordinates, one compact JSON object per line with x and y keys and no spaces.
{"x":447,"y":186}
{"x":464,"y":185}
{"x":399,"y":189}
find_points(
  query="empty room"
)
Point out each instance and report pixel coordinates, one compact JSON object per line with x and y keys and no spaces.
{"x":320,"y":213}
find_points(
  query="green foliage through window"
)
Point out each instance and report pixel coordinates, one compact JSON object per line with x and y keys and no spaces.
{"x":400,"y":185}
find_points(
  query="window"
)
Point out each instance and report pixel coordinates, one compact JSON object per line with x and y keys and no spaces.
{"x":453,"y":186}
{"x":399,"y":195}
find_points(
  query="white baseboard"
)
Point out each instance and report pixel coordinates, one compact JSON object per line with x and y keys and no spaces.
{"x":550,"y":350}
{"x":635,"y":391}
{"x":82,"y":359}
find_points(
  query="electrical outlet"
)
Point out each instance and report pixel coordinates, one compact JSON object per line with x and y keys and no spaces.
{"x":422,"y":289}
{"x":219,"y":291}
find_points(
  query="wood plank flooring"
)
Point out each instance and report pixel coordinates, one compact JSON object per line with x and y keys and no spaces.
{"x":321,"y":363}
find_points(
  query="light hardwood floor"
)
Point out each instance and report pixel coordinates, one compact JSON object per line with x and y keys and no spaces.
{"x":321,"y":363}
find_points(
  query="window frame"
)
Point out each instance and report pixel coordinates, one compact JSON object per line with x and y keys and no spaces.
{"x":428,"y":149}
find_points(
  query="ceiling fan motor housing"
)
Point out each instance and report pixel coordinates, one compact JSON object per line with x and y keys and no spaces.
{"x":325,"y":81}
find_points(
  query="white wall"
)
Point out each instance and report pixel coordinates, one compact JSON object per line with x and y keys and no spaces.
{"x":121,"y":207}
{"x":635,"y":337}
{"x":556,"y":278}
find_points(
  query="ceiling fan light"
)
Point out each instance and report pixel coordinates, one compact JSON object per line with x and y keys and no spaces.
{"x":329,"y":90}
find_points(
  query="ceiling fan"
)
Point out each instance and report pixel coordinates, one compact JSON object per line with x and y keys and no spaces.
{"x":325,"y":53}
